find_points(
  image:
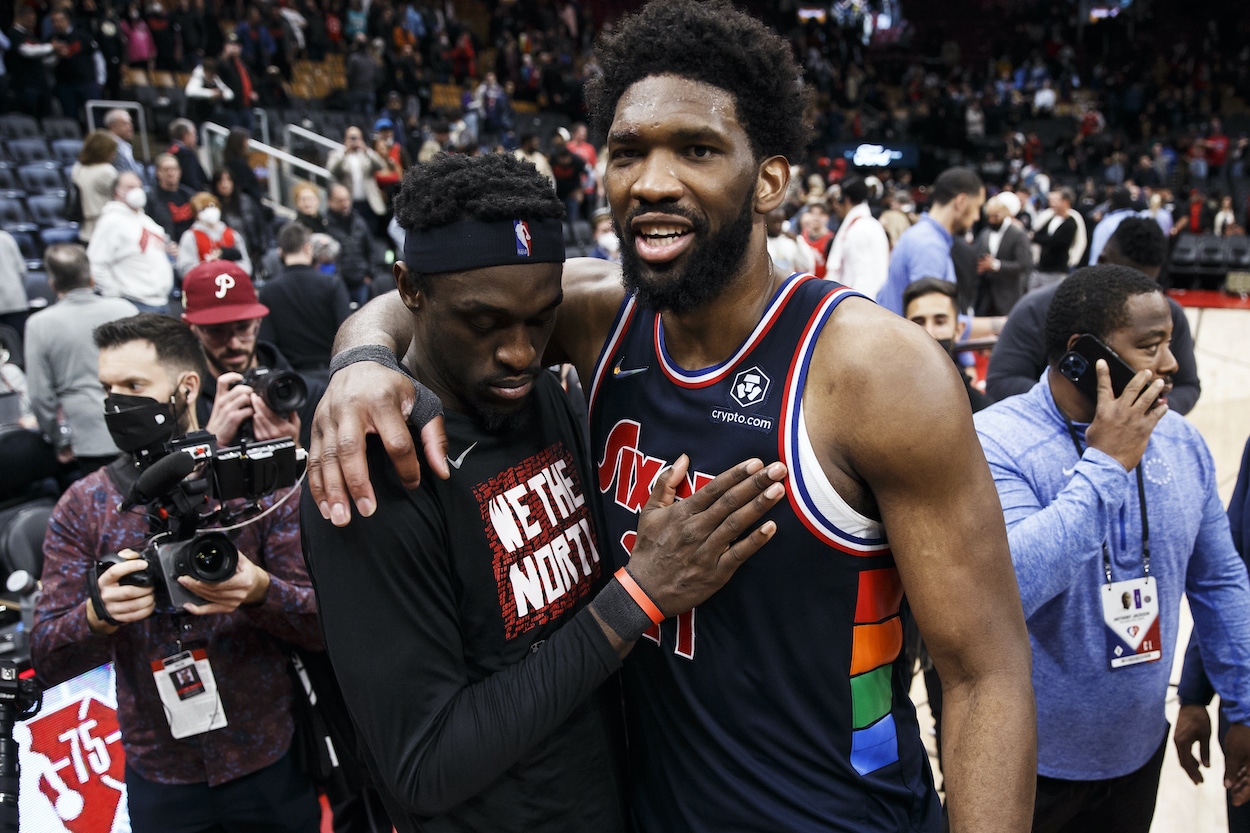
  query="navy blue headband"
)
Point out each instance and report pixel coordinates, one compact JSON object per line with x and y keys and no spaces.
{"x":472,"y":244}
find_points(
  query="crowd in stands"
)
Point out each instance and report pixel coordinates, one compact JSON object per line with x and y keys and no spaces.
{"x":1070,"y":131}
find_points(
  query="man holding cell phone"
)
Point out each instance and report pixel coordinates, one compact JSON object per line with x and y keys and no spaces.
{"x":1109,"y":496}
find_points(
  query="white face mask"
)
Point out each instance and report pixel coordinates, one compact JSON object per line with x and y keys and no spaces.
{"x":211,"y":216}
{"x":609,"y":242}
{"x":136,"y":198}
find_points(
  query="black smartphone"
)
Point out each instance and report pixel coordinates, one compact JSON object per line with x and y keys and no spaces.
{"x":1078,"y":366}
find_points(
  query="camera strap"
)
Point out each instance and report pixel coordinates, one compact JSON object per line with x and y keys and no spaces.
{"x":97,"y":603}
{"x":124,"y":473}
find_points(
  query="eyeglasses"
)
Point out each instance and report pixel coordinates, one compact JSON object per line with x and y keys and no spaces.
{"x":222,"y":333}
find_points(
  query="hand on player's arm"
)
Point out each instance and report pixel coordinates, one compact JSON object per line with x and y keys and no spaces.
{"x":248,"y":586}
{"x":126,"y":603}
{"x":686,"y":550}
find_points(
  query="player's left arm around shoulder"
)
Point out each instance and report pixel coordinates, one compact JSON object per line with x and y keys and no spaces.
{"x":904,"y":428}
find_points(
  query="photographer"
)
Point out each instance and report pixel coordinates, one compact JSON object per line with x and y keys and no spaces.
{"x":223,"y":312}
{"x":213,"y":758}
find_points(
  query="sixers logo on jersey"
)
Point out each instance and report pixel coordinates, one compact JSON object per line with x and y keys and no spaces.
{"x":524,"y":247}
{"x":629,"y":474}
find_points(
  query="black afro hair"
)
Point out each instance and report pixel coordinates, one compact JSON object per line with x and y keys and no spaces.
{"x":1140,"y":240}
{"x":1092,"y":300}
{"x":493,"y":186}
{"x":714,"y":43}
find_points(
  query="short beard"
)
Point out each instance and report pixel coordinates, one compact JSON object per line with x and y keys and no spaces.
{"x":505,"y":422}
{"x":711,"y":264}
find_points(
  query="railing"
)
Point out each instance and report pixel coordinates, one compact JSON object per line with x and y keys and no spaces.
{"x":280,"y":162}
{"x":141,"y":122}
{"x":304,"y":133}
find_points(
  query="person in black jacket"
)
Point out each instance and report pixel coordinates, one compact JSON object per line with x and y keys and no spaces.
{"x":241,"y":212}
{"x":169,"y":202}
{"x":355,"y":262}
{"x":1020,"y":353}
{"x":182,"y":134}
{"x":306,"y":306}
{"x":24,"y":62}
{"x":1054,"y":240}
{"x":75,"y":66}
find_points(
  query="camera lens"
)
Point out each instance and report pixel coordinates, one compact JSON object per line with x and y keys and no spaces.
{"x":213,"y":557}
{"x":285,"y":391}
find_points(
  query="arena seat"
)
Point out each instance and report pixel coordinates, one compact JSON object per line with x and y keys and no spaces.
{"x":14,"y":217}
{"x":1185,"y":255}
{"x":59,"y":234}
{"x":1237,"y":253}
{"x":25,"y":151}
{"x":30,"y":252}
{"x":57,"y":127}
{"x":18,"y":126}
{"x":66,"y":150}
{"x":48,"y":210}
{"x":8,"y":177}
{"x":1211,"y":253}
{"x":42,"y":178}
{"x":38,"y":291}
{"x":22,"y":531}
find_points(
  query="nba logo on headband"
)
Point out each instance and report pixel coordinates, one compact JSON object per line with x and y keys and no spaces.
{"x":522,"y":230}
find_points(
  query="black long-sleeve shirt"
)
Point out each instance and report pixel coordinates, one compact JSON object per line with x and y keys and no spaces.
{"x":456,"y":622}
{"x":1055,"y":245}
{"x":1020,"y":354}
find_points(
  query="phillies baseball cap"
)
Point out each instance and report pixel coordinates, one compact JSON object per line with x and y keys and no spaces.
{"x":219,"y":292}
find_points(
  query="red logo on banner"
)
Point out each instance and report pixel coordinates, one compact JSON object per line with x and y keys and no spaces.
{"x":86,"y":777}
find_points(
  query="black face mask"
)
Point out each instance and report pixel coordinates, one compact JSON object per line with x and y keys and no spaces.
{"x":138,"y":422}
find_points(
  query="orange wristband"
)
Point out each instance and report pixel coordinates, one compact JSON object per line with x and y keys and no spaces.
{"x":639,"y":596}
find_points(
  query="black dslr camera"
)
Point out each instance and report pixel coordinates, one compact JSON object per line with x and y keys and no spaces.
{"x":178,"y":509}
{"x":283,"y":391}
{"x":210,"y":557}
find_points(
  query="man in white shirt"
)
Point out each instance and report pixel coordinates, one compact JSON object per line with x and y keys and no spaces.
{"x":129,"y":252}
{"x":860,"y":255}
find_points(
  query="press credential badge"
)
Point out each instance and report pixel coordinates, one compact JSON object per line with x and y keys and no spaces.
{"x":1130,"y":612}
{"x":188,"y":691}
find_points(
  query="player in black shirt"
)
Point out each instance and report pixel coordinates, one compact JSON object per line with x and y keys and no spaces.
{"x":473,"y":621}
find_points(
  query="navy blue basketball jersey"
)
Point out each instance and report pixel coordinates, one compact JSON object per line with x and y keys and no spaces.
{"x":777,"y":704}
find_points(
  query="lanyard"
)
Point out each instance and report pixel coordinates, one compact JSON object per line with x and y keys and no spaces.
{"x":1141,"y":500}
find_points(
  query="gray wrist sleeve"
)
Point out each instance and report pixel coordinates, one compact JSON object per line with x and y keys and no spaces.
{"x":427,"y":406}
{"x":620,"y":612}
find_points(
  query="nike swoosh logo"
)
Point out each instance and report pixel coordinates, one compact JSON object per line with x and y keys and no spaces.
{"x":621,"y":374}
{"x":1069,"y":472}
{"x":455,"y":464}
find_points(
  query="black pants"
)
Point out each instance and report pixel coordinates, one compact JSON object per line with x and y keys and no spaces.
{"x":276,"y":799}
{"x":1125,"y":804}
